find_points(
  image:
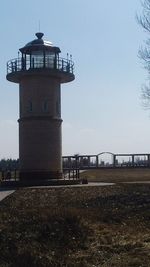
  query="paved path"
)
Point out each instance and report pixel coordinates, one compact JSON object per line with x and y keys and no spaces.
{"x":4,"y":193}
{"x":71,"y":185}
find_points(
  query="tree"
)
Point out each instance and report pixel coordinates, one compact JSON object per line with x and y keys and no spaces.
{"x":9,"y":164}
{"x":144,"y":53}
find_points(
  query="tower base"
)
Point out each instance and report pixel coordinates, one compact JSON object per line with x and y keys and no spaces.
{"x":39,"y":175}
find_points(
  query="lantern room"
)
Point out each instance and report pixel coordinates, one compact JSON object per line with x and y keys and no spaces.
{"x":40,"y":55}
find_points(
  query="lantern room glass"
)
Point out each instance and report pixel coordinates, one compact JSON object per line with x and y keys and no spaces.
{"x":40,"y":59}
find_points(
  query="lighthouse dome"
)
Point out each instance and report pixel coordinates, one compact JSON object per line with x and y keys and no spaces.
{"x":39,"y":44}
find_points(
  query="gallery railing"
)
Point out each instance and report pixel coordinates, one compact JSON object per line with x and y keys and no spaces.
{"x":21,"y":64}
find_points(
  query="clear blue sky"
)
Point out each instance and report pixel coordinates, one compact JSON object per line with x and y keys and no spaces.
{"x":101,"y":109}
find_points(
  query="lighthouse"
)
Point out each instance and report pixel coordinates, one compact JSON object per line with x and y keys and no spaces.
{"x":39,"y":70}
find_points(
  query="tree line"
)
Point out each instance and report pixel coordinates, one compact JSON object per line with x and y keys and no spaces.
{"x":9,"y":164}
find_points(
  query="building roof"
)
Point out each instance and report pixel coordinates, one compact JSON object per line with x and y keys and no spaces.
{"x":39,"y":44}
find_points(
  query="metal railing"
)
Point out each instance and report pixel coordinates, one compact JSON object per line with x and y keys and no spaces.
{"x":9,"y":175}
{"x":21,"y":64}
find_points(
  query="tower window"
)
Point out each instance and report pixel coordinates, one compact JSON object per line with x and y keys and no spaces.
{"x":58,"y":106}
{"x":30,"y":106}
{"x":45,"y":106}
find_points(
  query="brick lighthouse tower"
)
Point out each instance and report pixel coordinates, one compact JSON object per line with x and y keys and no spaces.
{"x":40,"y":71}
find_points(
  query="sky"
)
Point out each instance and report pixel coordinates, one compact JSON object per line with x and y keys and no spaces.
{"x":102,"y":108}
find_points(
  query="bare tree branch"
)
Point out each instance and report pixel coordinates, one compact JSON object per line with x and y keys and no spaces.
{"x":144,"y":53}
{"x":145,"y":96}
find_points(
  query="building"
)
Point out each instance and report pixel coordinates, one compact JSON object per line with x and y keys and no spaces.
{"x":39,"y":70}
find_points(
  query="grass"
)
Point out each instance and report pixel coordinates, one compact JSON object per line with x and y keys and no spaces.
{"x":92,"y":226}
{"x":117,"y":175}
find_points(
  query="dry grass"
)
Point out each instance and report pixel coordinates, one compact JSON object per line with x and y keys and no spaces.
{"x":117,"y":175}
{"x":92,"y":226}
